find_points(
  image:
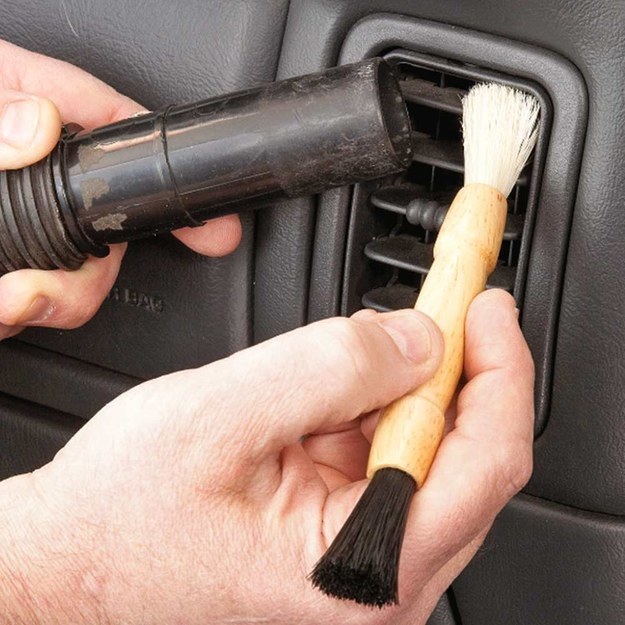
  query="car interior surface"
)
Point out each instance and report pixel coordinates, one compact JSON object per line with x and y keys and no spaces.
{"x":556,"y":553}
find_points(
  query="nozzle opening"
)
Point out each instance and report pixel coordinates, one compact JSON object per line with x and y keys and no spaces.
{"x":395,"y":113}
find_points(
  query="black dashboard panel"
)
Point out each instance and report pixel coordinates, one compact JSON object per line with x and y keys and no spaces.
{"x":544,"y":563}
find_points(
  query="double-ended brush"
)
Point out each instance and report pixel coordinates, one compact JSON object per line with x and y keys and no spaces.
{"x":500,"y":126}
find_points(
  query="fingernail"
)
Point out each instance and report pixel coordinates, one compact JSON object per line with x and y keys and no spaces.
{"x":411,"y":334}
{"x":36,"y":312}
{"x":18,"y":122}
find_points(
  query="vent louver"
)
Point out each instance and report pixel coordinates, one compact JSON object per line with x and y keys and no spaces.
{"x":407,"y":212}
{"x":409,"y":208}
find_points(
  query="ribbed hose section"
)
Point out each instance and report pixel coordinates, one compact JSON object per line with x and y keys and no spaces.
{"x":32,"y":231}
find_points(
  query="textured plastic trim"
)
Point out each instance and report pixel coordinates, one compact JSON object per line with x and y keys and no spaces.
{"x":31,"y":435}
{"x":545,"y":563}
{"x":58,"y":378}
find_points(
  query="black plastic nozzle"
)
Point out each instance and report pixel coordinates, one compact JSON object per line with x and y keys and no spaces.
{"x":187,"y":164}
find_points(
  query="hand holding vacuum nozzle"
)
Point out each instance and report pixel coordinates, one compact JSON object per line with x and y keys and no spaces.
{"x":187,"y":164}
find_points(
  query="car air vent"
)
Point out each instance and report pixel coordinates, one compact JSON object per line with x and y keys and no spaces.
{"x":373,"y":242}
{"x":405,"y":213}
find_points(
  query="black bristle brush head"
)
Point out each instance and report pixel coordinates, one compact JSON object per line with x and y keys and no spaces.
{"x":362,"y":563}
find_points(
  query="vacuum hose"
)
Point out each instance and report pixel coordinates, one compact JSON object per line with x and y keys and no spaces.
{"x":186,"y":164}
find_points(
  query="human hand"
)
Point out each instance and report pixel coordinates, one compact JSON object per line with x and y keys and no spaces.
{"x":192,"y":498}
{"x":37,"y":94}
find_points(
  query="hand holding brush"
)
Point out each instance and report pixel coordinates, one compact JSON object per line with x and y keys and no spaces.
{"x":193,"y":499}
{"x":362,"y":564}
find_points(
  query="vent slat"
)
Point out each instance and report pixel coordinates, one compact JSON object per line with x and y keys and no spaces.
{"x":445,"y":154}
{"x":408,"y":253}
{"x":425,"y":93}
{"x":403,"y":251}
{"x":397,"y":200}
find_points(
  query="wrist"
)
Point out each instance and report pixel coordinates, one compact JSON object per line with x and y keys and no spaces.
{"x":45,"y":579}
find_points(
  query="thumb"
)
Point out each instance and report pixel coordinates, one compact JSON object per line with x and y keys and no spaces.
{"x":316,"y":377}
{"x":29,"y":128}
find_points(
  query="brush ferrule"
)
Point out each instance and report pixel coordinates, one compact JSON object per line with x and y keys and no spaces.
{"x":407,"y":438}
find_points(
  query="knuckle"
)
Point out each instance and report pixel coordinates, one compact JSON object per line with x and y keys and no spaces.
{"x":511,"y":375}
{"x":527,"y":367}
{"x":518,"y":380}
{"x":347,"y":349}
{"x":347,"y":338}
{"x":516,"y":469}
{"x":526,"y":466}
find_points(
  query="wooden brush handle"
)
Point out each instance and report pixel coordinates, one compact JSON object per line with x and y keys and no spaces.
{"x":466,"y":250}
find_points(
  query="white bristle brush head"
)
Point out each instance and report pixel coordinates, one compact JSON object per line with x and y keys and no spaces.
{"x":499,"y":126}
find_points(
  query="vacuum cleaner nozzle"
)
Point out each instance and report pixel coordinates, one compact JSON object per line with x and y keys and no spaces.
{"x":186,"y":164}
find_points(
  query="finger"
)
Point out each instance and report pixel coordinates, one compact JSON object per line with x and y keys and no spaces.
{"x":340,"y":453}
{"x":29,"y":128}
{"x":318,"y":376}
{"x":486,"y":350}
{"x":60,"y":299}
{"x":499,"y":366}
{"x":7,"y":332}
{"x":216,"y":237}
{"x":39,"y":75}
